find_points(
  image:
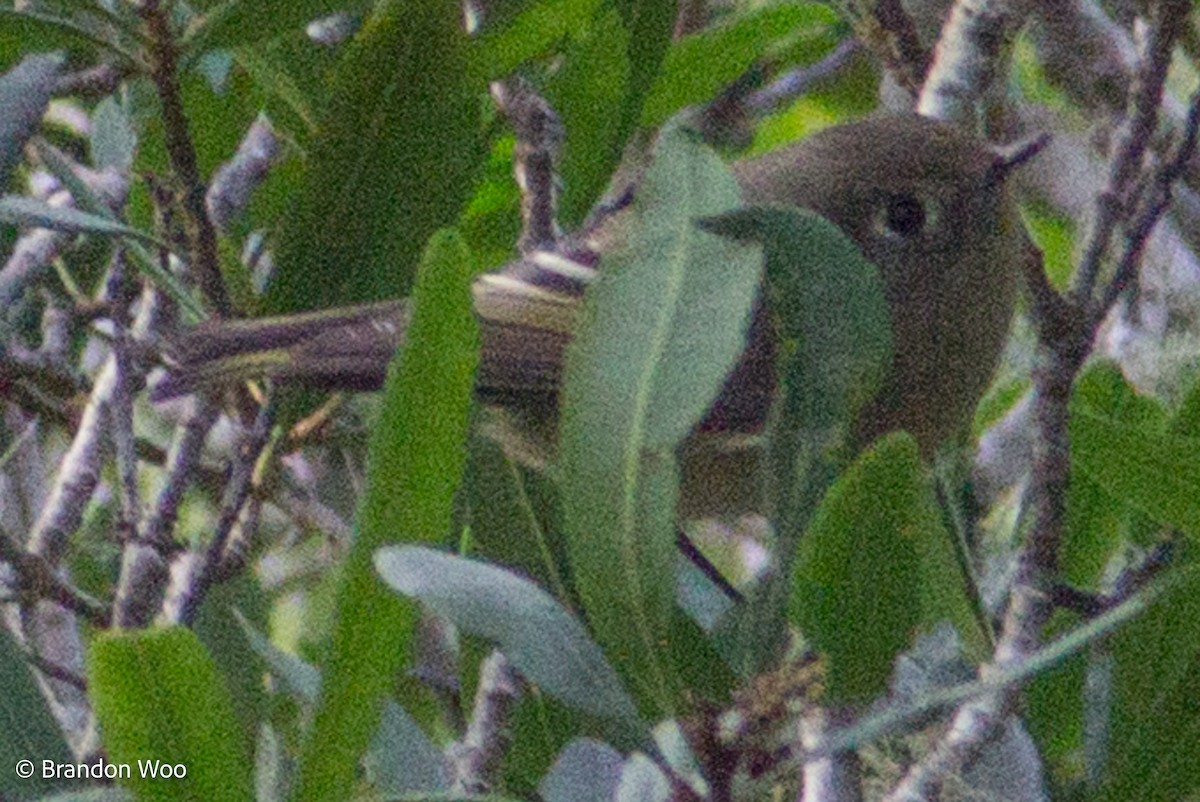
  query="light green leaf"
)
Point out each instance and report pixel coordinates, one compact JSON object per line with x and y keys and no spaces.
{"x":544,"y":642}
{"x":530,"y":33}
{"x":699,"y":66}
{"x":661,"y":328}
{"x":414,"y":467}
{"x":19,"y":210}
{"x":159,"y":698}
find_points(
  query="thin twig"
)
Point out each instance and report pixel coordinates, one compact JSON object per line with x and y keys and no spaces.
{"x":477,"y":757}
{"x":201,"y":235}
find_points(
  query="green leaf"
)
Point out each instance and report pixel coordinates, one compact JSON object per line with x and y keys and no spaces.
{"x":650,"y":24}
{"x":854,"y":595}
{"x":829,"y":304}
{"x":160,"y":699}
{"x":402,"y":760}
{"x":544,"y":642}
{"x":238,"y":22}
{"x":660,"y":330}
{"x":1155,"y":473}
{"x":589,"y":94}
{"x":586,"y":771}
{"x":114,"y":139}
{"x":697,"y":67}
{"x":297,"y":677}
{"x":28,"y":730}
{"x":24,"y":95}
{"x":510,"y":519}
{"x":1155,"y":723}
{"x":19,"y":210}
{"x":80,"y":32}
{"x":530,"y":33}
{"x":829,"y":299}
{"x":392,"y":161}
{"x":414,"y":466}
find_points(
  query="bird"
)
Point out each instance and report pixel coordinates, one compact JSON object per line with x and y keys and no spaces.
{"x":928,"y":204}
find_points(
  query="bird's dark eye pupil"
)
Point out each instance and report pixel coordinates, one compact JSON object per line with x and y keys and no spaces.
{"x":905,"y":214}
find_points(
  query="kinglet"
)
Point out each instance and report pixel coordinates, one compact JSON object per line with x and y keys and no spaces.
{"x":928,"y":204}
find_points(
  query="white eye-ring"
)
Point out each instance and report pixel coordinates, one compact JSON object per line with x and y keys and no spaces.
{"x":906,"y":215}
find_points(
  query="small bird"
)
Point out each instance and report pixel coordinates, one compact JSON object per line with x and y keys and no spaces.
{"x":928,"y":204}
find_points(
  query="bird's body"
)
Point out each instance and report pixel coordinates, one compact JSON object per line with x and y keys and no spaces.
{"x":925,"y":203}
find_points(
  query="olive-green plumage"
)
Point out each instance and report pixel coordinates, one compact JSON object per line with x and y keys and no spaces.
{"x":927,"y":204}
{"x":929,"y":207}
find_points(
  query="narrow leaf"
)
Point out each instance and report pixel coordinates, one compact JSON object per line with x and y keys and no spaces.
{"x":414,"y":467}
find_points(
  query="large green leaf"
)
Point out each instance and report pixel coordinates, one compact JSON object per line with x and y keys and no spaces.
{"x":544,"y":642}
{"x":829,"y":303}
{"x":160,"y":700}
{"x":392,"y":160}
{"x":415,"y":464}
{"x":856,"y":593}
{"x":661,"y":328}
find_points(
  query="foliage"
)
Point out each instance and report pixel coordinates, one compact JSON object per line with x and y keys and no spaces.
{"x":391,"y":543}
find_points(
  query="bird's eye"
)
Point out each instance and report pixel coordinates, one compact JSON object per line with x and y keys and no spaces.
{"x":905,"y":215}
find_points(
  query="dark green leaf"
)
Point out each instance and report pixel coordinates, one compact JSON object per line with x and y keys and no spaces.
{"x":829,"y":304}
{"x":1155,"y":722}
{"x":545,"y":643}
{"x":1153,"y":472}
{"x":829,"y":299}
{"x":854,"y":594}
{"x":589,"y":93}
{"x":28,"y":730}
{"x":159,"y":697}
{"x":237,"y":22}
{"x":650,"y":24}
{"x":392,"y":161}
